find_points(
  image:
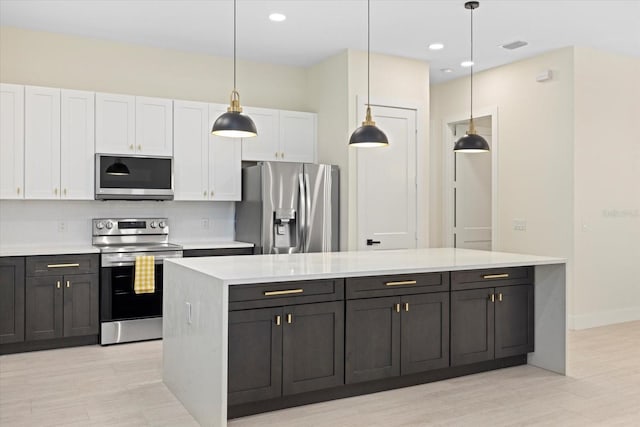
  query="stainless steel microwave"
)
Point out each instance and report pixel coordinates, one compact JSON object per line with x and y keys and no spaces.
{"x":134,"y":177}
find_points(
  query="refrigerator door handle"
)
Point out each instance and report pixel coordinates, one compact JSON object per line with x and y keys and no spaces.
{"x":307,"y":211}
{"x":302,"y":217}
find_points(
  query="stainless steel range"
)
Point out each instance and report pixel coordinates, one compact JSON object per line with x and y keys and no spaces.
{"x":124,"y":314}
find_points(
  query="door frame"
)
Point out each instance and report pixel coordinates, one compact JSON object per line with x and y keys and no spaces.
{"x":448,"y":139}
{"x":422,"y":216}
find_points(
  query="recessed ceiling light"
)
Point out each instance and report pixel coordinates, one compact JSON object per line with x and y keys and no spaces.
{"x":277,"y":17}
{"x":446,"y":70}
{"x":436,"y":46}
{"x":466,"y":63}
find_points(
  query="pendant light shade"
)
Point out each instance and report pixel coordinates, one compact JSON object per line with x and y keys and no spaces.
{"x":471,"y":142}
{"x":368,"y":135}
{"x":117,"y":168}
{"x":233,"y":123}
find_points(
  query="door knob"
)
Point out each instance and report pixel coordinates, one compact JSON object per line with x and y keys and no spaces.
{"x":371,"y":242}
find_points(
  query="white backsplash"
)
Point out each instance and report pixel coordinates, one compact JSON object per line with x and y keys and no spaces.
{"x":29,"y":222}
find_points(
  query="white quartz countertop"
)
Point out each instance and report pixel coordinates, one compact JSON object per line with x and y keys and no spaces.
{"x":29,"y":250}
{"x":213,"y":244}
{"x":246,"y":269}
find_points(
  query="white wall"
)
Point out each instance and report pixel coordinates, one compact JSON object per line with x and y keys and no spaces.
{"x":31,"y":222}
{"x":607,"y":189}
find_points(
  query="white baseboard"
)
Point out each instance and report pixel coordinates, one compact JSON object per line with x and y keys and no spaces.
{"x":603,"y":318}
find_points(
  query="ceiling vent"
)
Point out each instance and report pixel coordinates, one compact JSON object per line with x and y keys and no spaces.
{"x":514,"y":45}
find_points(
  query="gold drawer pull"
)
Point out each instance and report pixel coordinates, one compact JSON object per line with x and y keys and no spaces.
{"x":500,"y":297}
{"x":68,"y":284}
{"x":278,"y":320}
{"x":405,"y":282}
{"x":397,"y":308}
{"x":58,"y":284}
{"x":289,"y":318}
{"x":496,"y":276}
{"x":285,"y":292}
{"x":62,"y":265}
{"x":492,"y":297}
{"x":406,"y":306}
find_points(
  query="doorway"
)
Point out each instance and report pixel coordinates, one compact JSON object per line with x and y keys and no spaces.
{"x":386,"y":183}
{"x":470,"y":214}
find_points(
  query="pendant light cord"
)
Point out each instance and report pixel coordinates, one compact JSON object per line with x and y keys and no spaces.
{"x":368,"y":53}
{"x":472,"y":64}
{"x":234,"y":45}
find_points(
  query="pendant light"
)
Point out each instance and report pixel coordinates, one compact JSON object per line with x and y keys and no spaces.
{"x":233,"y":123}
{"x":471,"y":142}
{"x":368,"y":135}
{"x":117,"y":168}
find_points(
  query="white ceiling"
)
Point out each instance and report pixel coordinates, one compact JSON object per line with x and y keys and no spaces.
{"x":316,"y":29}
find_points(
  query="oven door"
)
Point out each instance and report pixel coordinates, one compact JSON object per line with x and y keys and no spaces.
{"x":124,"y":315}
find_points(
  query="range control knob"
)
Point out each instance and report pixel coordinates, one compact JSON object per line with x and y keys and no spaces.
{"x":153,"y":224}
{"x":109,"y":225}
{"x":162,"y":224}
{"x":100,"y":225}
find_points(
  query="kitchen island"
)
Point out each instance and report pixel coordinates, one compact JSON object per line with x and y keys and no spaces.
{"x":197,"y":308}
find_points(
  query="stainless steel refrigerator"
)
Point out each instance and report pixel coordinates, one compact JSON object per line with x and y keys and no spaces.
{"x":289,"y":208}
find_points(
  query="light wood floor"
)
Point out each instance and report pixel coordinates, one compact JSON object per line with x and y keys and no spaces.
{"x":121,"y":386}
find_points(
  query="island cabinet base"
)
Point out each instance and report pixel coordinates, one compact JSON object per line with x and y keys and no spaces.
{"x":350,"y":390}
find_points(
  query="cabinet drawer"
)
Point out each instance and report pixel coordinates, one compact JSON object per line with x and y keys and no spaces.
{"x":243,"y":297}
{"x":405,"y":284}
{"x":486,"y":278}
{"x":62,"y":265}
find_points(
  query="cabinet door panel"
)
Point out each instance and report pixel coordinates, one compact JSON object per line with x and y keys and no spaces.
{"x":11,"y":141}
{"x":372,"y":340}
{"x":255,"y":355}
{"x":191,"y":150}
{"x":154,"y":126}
{"x":225,"y":158}
{"x":313,"y":347}
{"x":265,"y":146}
{"x":115,"y":123}
{"x":298,"y":136}
{"x":472,"y":323}
{"x":11,"y":300}
{"x":42,"y":143}
{"x":514,"y":320}
{"x":80,"y":305}
{"x":425,"y":332}
{"x":43,"y":308}
{"x":77,"y":145}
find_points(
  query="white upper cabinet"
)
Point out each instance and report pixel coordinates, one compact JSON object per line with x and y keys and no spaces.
{"x":77,"y":161}
{"x":288,"y":136}
{"x":298,"y":136}
{"x":191,"y":150}
{"x":154,"y":126}
{"x":42,"y":143}
{"x":115,"y":123}
{"x":225,"y":162}
{"x":206,"y":167}
{"x":265,"y":146}
{"x":11,"y":141}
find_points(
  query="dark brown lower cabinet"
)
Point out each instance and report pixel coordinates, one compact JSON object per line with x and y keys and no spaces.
{"x":285,"y":350}
{"x":11,"y":300}
{"x":387,"y":337}
{"x":491,"y":323}
{"x":61,"y":306}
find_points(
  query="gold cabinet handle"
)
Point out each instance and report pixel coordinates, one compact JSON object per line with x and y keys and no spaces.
{"x":285,"y":292}
{"x":402,"y":283}
{"x":397,"y":308}
{"x":131,"y":147}
{"x":18,"y":190}
{"x":204,"y":193}
{"x":68,"y":284}
{"x":492,"y":297}
{"x":276,"y":154}
{"x":65,"y":191}
{"x":500,"y":297}
{"x":406,"y":306}
{"x":139,"y":147}
{"x":289,"y":318}
{"x":496,"y":276}
{"x":211,"y":193}
{"x":282,"y":155}
{"x":278,"y":320}
{"x":55,"y":191}
{"x":62,"y":265}
{"x":58,"y":284}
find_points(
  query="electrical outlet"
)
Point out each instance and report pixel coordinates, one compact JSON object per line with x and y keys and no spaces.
{"x":62,"y":227}
{"x":520,"y":224}
{"x":205,"y":223}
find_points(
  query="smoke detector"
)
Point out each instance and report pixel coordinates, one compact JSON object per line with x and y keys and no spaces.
{"x":514,"y":45}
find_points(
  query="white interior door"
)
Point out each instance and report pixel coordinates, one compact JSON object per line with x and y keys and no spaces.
{"x":472,"y":195}
{"x":386,"y":187}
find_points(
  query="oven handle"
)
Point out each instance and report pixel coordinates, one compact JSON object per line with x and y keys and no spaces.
{"x":129,"y":260}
